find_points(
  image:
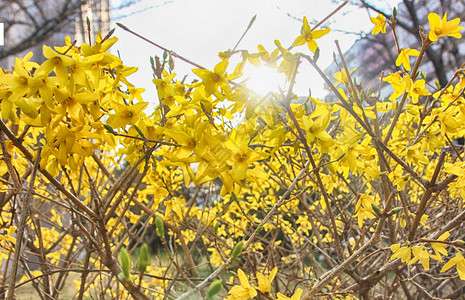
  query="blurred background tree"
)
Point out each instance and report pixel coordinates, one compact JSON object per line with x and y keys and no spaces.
{"x":31,"y":23}
{"x":379,"y":52}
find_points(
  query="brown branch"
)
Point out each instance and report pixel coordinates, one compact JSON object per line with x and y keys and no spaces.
{"x":172,"y":53}
{"x":44,"y":172}
{"x":25,"y":211}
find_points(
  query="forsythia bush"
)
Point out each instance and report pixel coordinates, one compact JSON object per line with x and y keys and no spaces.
{"x":240,"y":196}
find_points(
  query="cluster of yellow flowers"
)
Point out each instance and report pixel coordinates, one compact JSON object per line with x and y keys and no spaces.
{"x":281,"y":175}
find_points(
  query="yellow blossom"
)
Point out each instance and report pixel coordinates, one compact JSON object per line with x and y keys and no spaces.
{"x":404,"y":253}
{"x":126,"y":115}
{"x":440,"y":248}
{"x":164,"y":85}
{"x":380,"y":24}
{"x":342,"y":76}
{"x":459,"y":262}
{"x":404,"y":57}
{"x":362,"y":214}
{"x":441,"y":27}
{"x":174,"y":205}
{"x":289,"y":63}
{"x":244,"y":291}
{"x":269,"y":59}
{"x":309,"y":36}
{"x":364,"y":208}
{"x":217,"y":78}
{"x":56,"y":62}
{"x":264,"y":284}
{"x":9,"y":235}
{"x":399,"y":83}
{"x":420,"y":253}
{"x":418,"y":89}
{"x":296,"y":296}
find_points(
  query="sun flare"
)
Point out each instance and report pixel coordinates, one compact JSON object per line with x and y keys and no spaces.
{"x":263,"y":80}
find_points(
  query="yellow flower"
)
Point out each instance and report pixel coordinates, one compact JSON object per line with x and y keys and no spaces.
{"x":420,"y":253}
{"x":459,"y":261}
{"x":9,"y":235}
{"x":380,"y":24}
{"x":404,"y":59}
{"x":56,"y":217}
{"x":296,"y":296}
{"x":71,"y":102}
{"x":126,"y":114}
{"x":242,"y":157}
{"x":418,"y":89}
{"x":269,"y":59}
{"x":404,"y":253}
{"x":55,"y":62}
{"x":398,"y":179}
{"x":64,"y":142}
{"x":308,"y":36}
{"x":440,"y":248}
{"x":174,"y":205}
{"x":414,"y":155}
{"x":244,"y":291}
{"x":457,"y":168}
{"x":18,"y":83}
{"x":289,"y":63}
{"x":342,"y":76}
{"x":316,"y":129}
{"x":399,"y":84}
{"x":264,"y":284}
{"x":443,"y":27}
{"x":164,"y":85}
{"x":217,"y":78}
{"x":364,"y":213}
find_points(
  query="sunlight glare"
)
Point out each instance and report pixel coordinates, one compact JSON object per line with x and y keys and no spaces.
{"x":263,"y":80}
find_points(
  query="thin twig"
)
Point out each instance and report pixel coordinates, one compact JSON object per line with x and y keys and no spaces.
{"x":44,"y":172}
{"x":245,"y":32}
{"x":25,"y":211}
{"x":218,"y":271}
{"x":174,"y":54}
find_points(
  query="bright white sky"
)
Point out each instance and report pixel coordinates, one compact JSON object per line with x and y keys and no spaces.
{"x":199,"y":29}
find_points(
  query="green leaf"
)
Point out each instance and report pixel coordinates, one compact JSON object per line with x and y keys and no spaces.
{"x":125,"y":261}
{"x":369,"y":91}
{"x":215,"y":288}
{"x":109,"y":34}
{"x":109,"y":128}
{"x":340,"y":157}
{"x":376,"y":209}
{"x":422,"y":74}
{"x":237,"y":250}
{"x":233,"y":196}
{"x":139,"y":131}
{"x":144,"y":258}
{"x":395,"y":210}
{"x":160,"y":227}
